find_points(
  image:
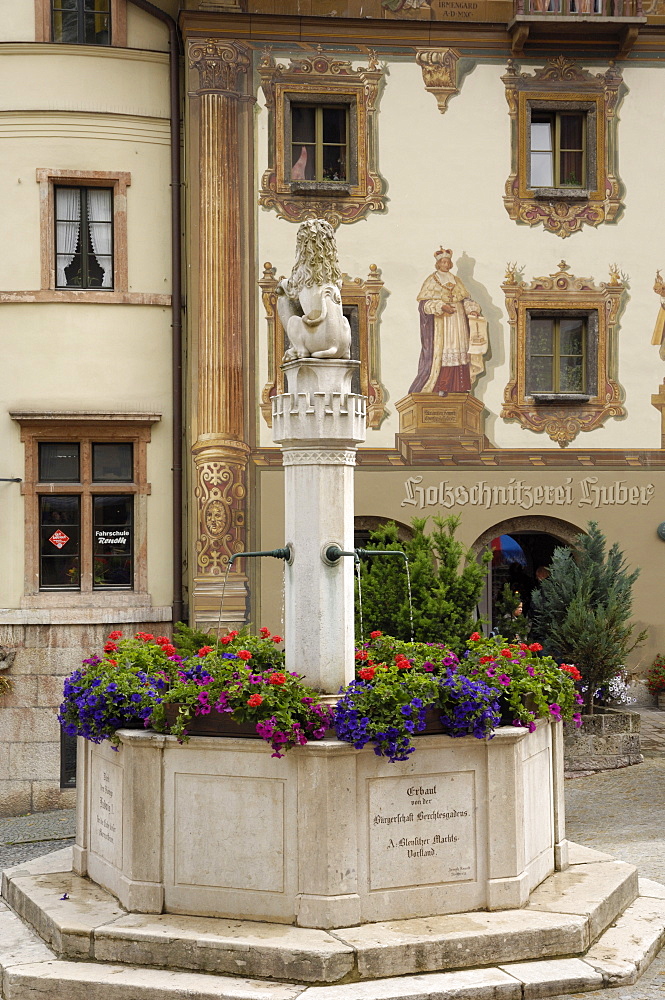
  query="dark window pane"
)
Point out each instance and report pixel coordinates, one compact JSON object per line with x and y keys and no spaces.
{"x":59,"y":542}
{"x":58,"y":463}
{"x":112,"y":463}
{"x":67,"y":760}
{"x":112,"y":542}
{"x":570,"y":169}
{"x":103,"y":6}
{"x":571,"y":375}
{"x":571,"y":336}
{"x":334,"y":125}
{"x":541,"y":375}
{"x":60,"y":510}
{"x":572,"y":131}
{"x":65,"y":27}
{"x":303,"y":124}
{"x":542,"y":330}
{"x":303,"y":163}
{"x":334,"y":163}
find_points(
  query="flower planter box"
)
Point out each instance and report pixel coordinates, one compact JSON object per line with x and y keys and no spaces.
{"x":608,"y":739}
{"x":214,"y":724}
{"x":329,"y":836}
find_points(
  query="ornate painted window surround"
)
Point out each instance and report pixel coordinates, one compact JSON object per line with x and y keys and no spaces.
{"x":85,"y":427}
{"x":118,"y":22}
{"x":562,"y":293}
{"x":563,"y":85}
{"x":321,"y":79}
{"x":366,"y":297}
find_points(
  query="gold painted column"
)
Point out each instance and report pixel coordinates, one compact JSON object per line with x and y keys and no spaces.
{"x":219,"y":448}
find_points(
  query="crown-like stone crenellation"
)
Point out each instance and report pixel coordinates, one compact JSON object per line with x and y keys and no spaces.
{"x":318,"y":416}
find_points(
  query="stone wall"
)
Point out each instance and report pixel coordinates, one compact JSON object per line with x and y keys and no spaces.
{"x":607,"y":739}
{"x":29,"y":730}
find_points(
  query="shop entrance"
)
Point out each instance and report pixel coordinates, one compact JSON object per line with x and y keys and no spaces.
{"x":522,"y":549}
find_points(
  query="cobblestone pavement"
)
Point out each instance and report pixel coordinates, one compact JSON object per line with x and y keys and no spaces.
{"x":26,"y":837}
{"x":621,"y":812}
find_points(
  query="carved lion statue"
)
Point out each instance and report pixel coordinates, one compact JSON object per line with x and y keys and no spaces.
{"x":309,"y":302}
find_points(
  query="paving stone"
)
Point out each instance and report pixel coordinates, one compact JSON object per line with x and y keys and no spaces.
{"x":579,"y":854}
{"x":598,"y":891}
{"x":546,"y":979}
{"x":472,"y":984}
{"x":239,"y":947}
{"x":650,"y":888}
{"x":20,"y":945}
{"x":66,"y":924}
{"x":59,"y":980}
{"x":627,"y":948}
{"x":462,"y":940}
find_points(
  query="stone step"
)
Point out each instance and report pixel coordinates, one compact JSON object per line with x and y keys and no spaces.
{"x":28,"y":968}
{"x":81,"y":921}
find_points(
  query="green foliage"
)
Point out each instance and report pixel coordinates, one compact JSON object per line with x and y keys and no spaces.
{"x":656,"y":675}
{"x":446,"y":584}
{"x":582,"y":611}
{"x":189,"y":640}
{"x":510,"y":626}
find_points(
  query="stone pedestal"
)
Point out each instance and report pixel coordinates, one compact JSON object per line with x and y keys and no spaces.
{"x":318,"y":424}
{"x":327,"y":837}
{"x":430,"y":423}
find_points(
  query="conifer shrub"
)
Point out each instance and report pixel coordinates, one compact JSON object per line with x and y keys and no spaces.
{"x":582,"y":612}
{"x":446,"y":584}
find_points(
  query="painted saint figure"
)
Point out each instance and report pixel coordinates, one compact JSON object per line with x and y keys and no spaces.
{"x":453,"y":334}
{"x":658,"y":339}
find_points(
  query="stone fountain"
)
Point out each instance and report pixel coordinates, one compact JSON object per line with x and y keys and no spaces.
{"x":214,"y":857}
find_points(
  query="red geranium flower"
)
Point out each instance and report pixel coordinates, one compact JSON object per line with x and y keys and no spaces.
{"x":226,"y":639}
{"x":244,"y":654}
{"x":506,"y":652}
{"x":475,"y":636}
{"x":110,"y":647}
{"x":277,"y":638}
{"x":366,"y":673}
{"x":265,"y":632}
{"x":254,"y":700}
{"x":362,"y":654}
{"x":535,"y":647}
{"x":162,"y":639}
{"x":404,"y":665}
{"x":113,"y":662}
{"x":204,"y":650}
{"x":115,"y":635}
{"x":485,"y":659}
{"x":277,"y":678}
{"x":168,"y":648}
{"x":375,"y":635}
{"x":569,"y":668}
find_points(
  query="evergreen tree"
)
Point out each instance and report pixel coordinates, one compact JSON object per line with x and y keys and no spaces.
{"x":446,"y":584}
{"x":581,"y":612}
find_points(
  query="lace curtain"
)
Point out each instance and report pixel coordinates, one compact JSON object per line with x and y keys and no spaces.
{"x":68,"y":225}
{"x":101,"y":233}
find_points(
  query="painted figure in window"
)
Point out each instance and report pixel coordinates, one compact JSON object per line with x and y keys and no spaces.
{"x":658,"y":338}
{"x":453,"y":334}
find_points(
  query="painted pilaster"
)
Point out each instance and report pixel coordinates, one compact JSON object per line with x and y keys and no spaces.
{"x":219,"y":448}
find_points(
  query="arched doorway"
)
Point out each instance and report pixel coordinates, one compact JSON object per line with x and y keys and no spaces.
{"x":522,"y":549}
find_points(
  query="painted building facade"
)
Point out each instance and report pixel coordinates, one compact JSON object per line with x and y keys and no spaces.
{"x":85,"y":422}
{"x":492,"y":170}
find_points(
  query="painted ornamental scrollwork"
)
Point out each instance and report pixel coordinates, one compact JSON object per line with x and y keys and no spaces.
{"x":220,"y":493}
{"x":439,"y":67}
{"x":562,"y":294}
{"x":219,"y":63}
{"x":563,"y":84}
{"x":366,"y":298}
{"x":322,"y":77}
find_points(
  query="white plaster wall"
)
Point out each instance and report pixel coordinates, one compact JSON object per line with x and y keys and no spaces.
{"x":446,"y":176}
{"x":17,"y":21}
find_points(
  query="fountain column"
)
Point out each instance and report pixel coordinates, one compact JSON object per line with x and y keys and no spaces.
{"x":319,"y":423}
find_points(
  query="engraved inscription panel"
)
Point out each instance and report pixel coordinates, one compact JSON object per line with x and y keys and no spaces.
{"x":106,"y":811}
{"x":229,"y":832}
{"x":422,"y":830}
